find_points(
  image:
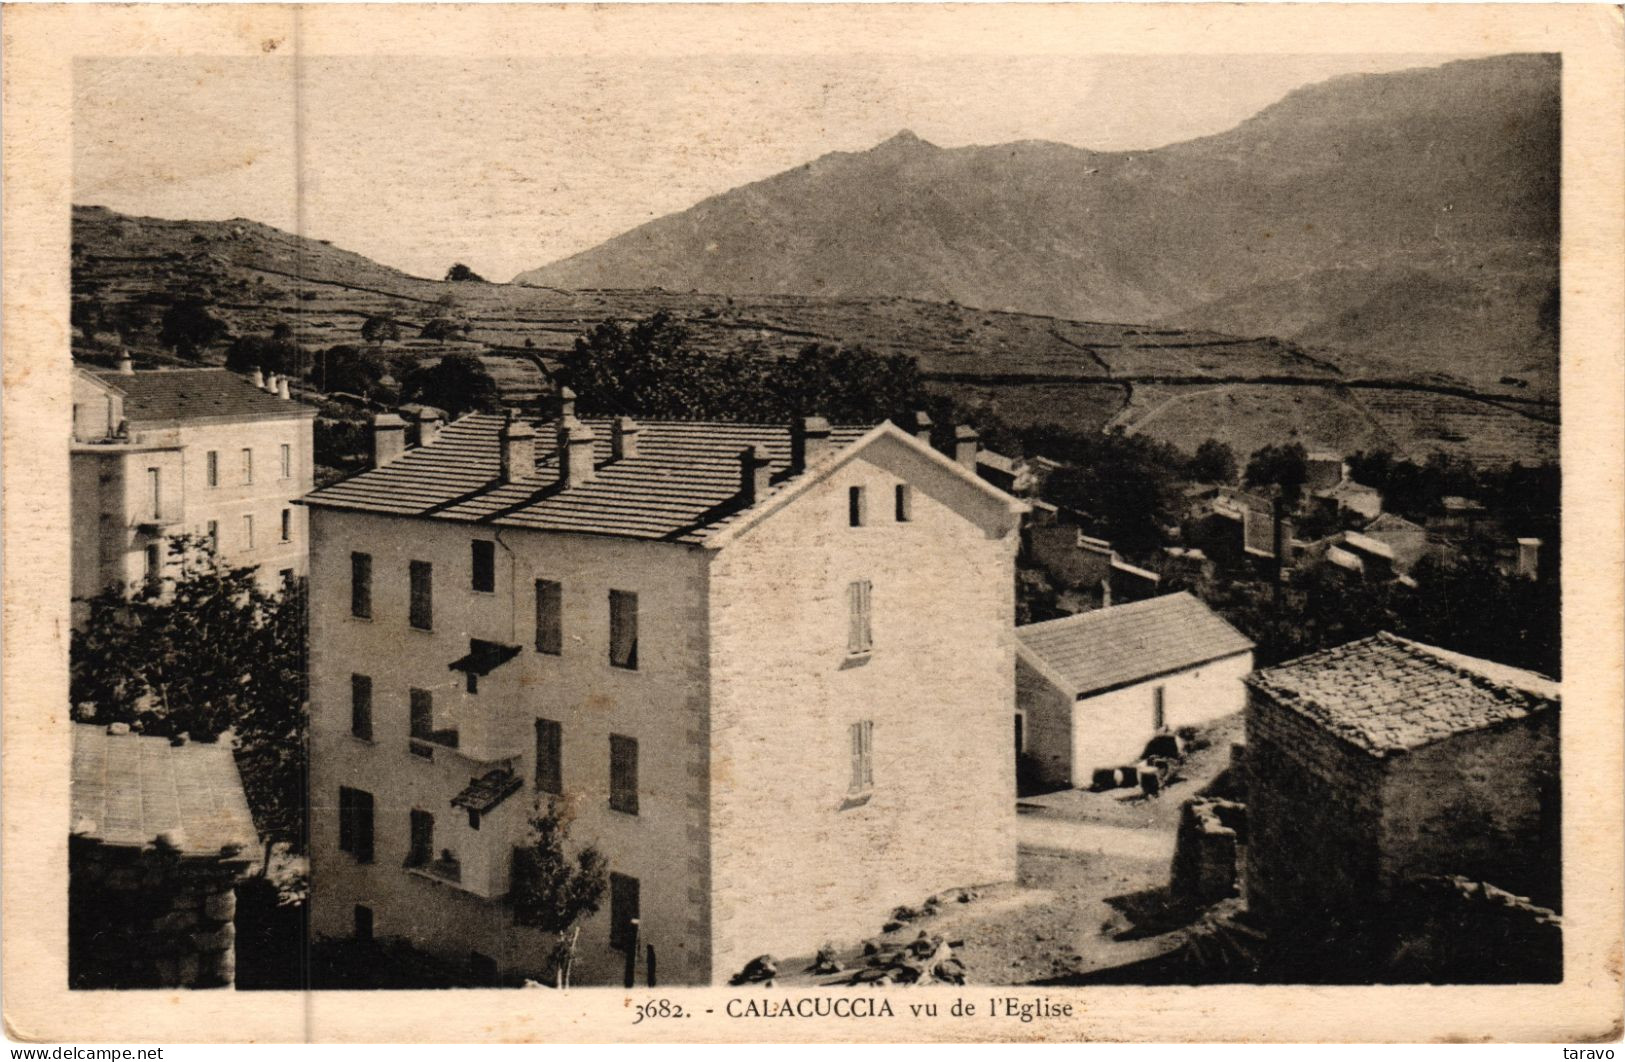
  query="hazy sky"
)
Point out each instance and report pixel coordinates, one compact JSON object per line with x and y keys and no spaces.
{"x":508,"y":165}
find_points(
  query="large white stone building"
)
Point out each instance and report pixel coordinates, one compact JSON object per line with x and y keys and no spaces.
{"x":202,"y":451}
{"x":769,"y":668}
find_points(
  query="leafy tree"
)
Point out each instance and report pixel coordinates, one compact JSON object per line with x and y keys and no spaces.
{"x":1284,"y":466}
{"x":445,"y":328}
{"x":552,"y":892}
{"x":276,"y":352}
{"x":347,"y":367}
{"x":1214,"y":463}
{"x":201,"y":651}
{"x":189,"y":326}
{"x":378,"y":329}
{"x":457,"y":383}
{"x":1125,"y":483}
{"x":460,"y":272}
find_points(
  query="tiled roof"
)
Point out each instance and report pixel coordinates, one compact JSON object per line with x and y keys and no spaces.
{"x":1112,"y":647}
{"x":487,"y":791}
{"x":193,"y":394}
{"x":129,"y":788}
{"x":682,"y":486}
{"x":1348,"y":488}
{"x":1387,"y":694}
{"x":1392,"y":522}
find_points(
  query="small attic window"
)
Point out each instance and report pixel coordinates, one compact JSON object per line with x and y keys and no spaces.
{"x":855,"y":514}
{"x":905,"y":503}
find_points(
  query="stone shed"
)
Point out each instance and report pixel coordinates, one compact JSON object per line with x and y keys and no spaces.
{"x":161,"y":835}
{"x":1383,"y":761}
{"x":1092,"y":689}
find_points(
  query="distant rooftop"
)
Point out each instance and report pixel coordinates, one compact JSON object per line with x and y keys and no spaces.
{"x":1112,"y":647}
{"x":164,"y":395}
{"x":1386,"y":694}
{"x":1392,"y":522}
{"x":129,"y":788}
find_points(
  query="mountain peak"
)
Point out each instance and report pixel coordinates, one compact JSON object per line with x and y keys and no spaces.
{"x":905,"y":140}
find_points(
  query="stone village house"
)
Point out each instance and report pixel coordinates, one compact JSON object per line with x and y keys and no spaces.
{"x":770,"y":667}
{"x":1092,"y":689}
{"x":201,"y":451}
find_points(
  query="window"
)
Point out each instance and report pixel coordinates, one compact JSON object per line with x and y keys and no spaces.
{"x":248,"y":531}
{"x":363,"y":923}
{"x":905,"y":503}
{"x":420,"y":851}
{"x":155,"y":498}
{"x":623,"y":912}
{"x":855,"y":506}
{"x":623,"y":774}
{"x":361,"y":585}
{"x":248,"y":465}
{"x":422,"y":715}
{"x":287,"y":525}
{"x":214,"y":535}
{"x":549,"y":618}
{"x":355,"y":823}
{"x":287,"y":461}
{"x":549,"y":757}
{"x":286,"y":575}
{"x":623,"y":629}
{"x":155,"y":562}
{"x":422,"y":578}
{"x":859,"y":637}
{"x":361,"y":706}
{"x":863,"y":756}
{"x":1159,"y":708}
{"x":211,"y":466}
{"x":485,"y":565}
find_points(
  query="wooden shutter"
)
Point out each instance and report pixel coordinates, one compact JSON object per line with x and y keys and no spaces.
{"x":549,"y":620}
{"x":422,"y":847}
{"x":484,"y":563}
{"x":549,"y":756}
{"x":866,"y":735}
{"x":859,"y":638}
{"x":623,"y":629}
{"x":361,"y":585}
{"x":422,"y":580}
{"x":363,"y":825}
{"x":422,"y":709}
{"x":361,"y":706}
{"x":623,"y":774}
{"x":855,"y":731}
{"x":624,"y":903}
{"x":346,"y":819}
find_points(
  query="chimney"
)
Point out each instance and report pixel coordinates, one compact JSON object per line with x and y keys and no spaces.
{"x":575,"y":450}
{"x":809,"y":440}
{"x":921,"y":426}
{"x":966,"y":443}
{"x":516,"y":450}
{"x":1529,"y":557}
{"x":428,"y":426}
{"x":567,"y":404}
{"x":754,"y":473}
{"x":623,"y":438}
{"x":388,"y":439}
{"x":126,"y":367}
{"x":258,"y":377}
{"x":282,"y":389}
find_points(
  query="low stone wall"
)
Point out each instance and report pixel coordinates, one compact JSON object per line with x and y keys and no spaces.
{"x":1459,"y":930}
{"x":151,"y":917}
{"x":1205,"y":851}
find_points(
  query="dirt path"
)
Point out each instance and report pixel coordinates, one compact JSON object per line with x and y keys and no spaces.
{"x":1093,"y":838}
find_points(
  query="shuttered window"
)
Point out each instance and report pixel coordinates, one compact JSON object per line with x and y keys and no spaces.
{"x":361,"y":585}
{"x":355,"y":823}
{"x":421,"y":849}
{"x":287,"y":461}
{"x":862,"y":735}
{"x":859,"y":638}
{"x":623,"y":774}
{"x":212,"y":464}
{"x":422,"y":714}
{"x":624,"y":903}
{"x":905,"y":503}
{"x":549,"y":757}
{"x":248,"y":531}
{"x":287,"y":524}
{"x":549,"y":617}
{"x":623,"y":629}
{"x":361,"y":706}
{"x":248,"y":465}
{"x":855,"y":506}
{"x":422,"y":582}
{"x":484,"y":565}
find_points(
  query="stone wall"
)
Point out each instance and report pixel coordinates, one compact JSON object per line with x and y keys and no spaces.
{"x":150,"y":917}
{"x":1206,"y":847}
{"x":1458,"y":929}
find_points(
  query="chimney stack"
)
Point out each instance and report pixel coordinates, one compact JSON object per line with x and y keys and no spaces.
{"x":1529,"y":557}
{"x":126,"y":367}
{"x":258,"y":377}
{"x":428,"y":426}
{"x":575,"y":451}
{"x":388,"y":439}
{"x":567,"y":404}
{"x":270,"y":382}
{"x":282,"y":389}
{"x":623,"y":438}
{"x":754,"y":474}
{"x":809,"y":440}
{"x":921,"y":428}
{"x":966,"y":443}
{"x":516,"y":450}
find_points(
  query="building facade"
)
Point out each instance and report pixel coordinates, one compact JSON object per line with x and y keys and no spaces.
{"x":185,"y":451}
{"x":769,"y":671}
{"x":1093,"y":689}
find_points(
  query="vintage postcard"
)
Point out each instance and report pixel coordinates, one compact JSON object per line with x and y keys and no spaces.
{"x":834,"y":523}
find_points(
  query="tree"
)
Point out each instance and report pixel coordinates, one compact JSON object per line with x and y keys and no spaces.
{"x":347,"y":367}
{"x":378,"y":329}
{"x":276,"y":352}
{"x":444,"y":328}
{"x":552,"y":892}
{"x":457,"y":383}
{"x":189,"y":326}
{"x":1125,"y":483}
{"x":1214,"y":463}
{"x":1284,"y":466}
{"x":461,"y":273}
{"x":201,"y":651}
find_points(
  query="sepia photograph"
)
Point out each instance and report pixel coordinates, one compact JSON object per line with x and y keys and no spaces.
{"x":814,"y":526}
